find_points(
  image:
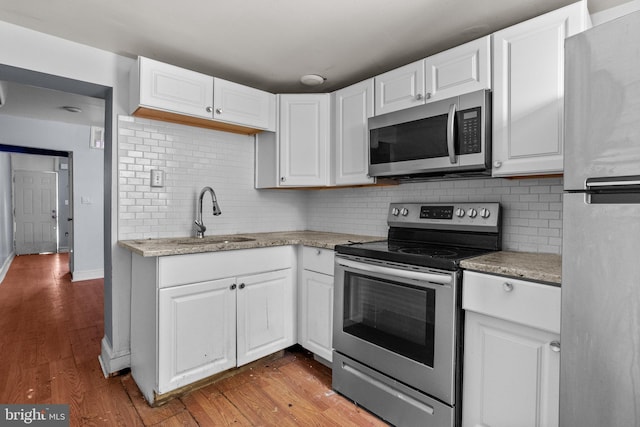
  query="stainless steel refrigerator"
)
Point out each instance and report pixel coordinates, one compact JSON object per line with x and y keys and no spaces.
{"x":600,"y":356}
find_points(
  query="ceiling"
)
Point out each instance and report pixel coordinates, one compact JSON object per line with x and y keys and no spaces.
{"x":270,"y":44}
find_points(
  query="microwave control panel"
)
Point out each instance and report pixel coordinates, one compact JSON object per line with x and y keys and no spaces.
{"x":470,"y":131}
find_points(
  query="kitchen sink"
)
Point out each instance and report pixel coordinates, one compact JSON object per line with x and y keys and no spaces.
{"x":212,"y":240}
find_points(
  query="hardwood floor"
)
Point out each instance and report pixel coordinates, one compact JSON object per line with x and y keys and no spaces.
{"x":49,"y":347}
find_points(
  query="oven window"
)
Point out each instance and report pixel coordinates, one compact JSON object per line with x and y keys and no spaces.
{"x":394,"y":316}
{"x":420,"y":139}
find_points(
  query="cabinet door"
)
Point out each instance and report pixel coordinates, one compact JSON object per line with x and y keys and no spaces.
{"x":243,"y":105}
{"x":511,"y":374}
{"x":463,"y":69}
{"x":400,"y":88}
{"x":304,"y":139}
{"x":175,"y":89}
{"x":196,"y":332}
{"x":528,"y":92}
{"x":353,"y":107}
{"x":266,"y":314}
{"x":316,"y":313}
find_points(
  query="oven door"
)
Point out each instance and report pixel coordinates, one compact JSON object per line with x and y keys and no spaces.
{"x":398,"y":321}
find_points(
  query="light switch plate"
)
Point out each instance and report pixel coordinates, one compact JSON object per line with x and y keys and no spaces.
{"x":157,"y":178}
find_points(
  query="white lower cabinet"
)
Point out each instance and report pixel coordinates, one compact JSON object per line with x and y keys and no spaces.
{"x":195,"y":315}
{"x":315,"y":302}
{"x":511,"y":352}
{"x":196,"y":326}
{"x":264,"y":319}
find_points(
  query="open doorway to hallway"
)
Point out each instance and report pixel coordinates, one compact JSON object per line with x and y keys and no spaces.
{"x":39,"y":120}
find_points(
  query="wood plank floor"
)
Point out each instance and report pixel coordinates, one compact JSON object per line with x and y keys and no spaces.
{"x":49,"y":347}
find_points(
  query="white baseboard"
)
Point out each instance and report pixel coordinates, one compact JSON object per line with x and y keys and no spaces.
{"x":110,"y":363}
{"x":78,"y":276}
{"x":6,"y":265}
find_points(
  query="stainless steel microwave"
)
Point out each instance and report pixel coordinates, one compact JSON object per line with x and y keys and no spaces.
{"x":451,"y":136}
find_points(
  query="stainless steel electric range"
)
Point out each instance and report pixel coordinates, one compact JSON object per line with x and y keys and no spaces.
{"x":397,"y":330}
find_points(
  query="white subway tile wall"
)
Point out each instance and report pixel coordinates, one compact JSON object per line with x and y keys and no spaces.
{"x":193,"y":158}
{"x":531,"y":208}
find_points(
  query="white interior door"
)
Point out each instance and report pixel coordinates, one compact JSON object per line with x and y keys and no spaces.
{"x":36,"y":214}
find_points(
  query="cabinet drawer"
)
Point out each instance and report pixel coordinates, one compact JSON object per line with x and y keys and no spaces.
{"x":529,"y":303}
{"x":318,"y":260}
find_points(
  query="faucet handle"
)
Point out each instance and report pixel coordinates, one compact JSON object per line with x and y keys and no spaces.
{"x":200,"y":226}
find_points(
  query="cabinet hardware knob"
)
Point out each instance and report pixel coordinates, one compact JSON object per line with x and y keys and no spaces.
{"x":555,"y":346}
{"x":508,"y":287}
{"x":209,"y":109}
{"x":283,"y":179}
{"x":218,"y":110}
{"x":497,"y":164}
{"x":318,"y":252}
{"x":419,"y":97}
{"x":428,"y":95}
{"x":242,"y":285}
{"x":233,"y":287}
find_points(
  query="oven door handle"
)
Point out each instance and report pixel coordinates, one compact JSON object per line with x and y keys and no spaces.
{"x":441,"y":279}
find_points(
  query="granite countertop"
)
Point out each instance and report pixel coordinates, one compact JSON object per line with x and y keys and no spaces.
{"x":522,"y":265}
{"x":213,"y":243}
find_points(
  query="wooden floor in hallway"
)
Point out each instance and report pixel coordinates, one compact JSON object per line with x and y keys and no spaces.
{"x":49,"y":347}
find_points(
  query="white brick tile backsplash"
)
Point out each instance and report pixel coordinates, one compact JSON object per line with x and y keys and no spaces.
{"x":193,"y":158}
{"x":531,"y":208}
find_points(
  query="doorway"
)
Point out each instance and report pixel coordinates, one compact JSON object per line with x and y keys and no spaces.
{"x":51,"y":123}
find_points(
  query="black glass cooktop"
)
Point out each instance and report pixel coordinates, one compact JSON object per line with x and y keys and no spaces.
{"x":415,"y":253}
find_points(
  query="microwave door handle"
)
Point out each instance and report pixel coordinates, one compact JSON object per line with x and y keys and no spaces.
{"x":451,"y":134}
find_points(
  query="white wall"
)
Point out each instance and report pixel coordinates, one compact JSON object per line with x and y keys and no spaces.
{"x":51,"y":55}
{"x":615,"y":12}
{"x":6,"y":214}
{"x":88,"y":166}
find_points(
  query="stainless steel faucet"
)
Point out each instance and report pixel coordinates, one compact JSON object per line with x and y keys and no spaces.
{"x":200,"y":228}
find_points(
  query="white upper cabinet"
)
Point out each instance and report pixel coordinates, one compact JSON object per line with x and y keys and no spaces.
{"x":167,"y":87}
{"x":528,"y":92}
{"x":243,"y":105}
{"x":352,"y":108}
{"x":462,"y":69}
{"x":400,"y":88}
{"x":304,"y":137}
{"x":165,"y":92}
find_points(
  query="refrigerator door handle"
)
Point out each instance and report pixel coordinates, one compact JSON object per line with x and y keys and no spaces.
{"x":612,"y":183}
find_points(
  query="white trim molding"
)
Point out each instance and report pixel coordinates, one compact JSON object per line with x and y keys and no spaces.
{"x":111,"y":363}
{"x":78,"y":276}
{"x":6,"y":265}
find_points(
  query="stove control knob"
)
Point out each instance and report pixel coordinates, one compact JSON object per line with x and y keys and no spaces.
{"x":404,"y":212}
{"x":485,"y":213}
{"x":472,"y":213}
{"x":460,"y":212}
{"x":395,"y":211}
